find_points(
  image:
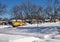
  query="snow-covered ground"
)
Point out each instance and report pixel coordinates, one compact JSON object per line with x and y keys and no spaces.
{"x":18,"y":35}
{"x":25,"y":38}
{"x":15,"y":34}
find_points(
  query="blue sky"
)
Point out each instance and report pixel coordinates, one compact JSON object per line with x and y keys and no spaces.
{"x":11,"y":3}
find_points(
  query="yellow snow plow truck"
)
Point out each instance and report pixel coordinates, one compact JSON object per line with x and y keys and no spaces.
{"x":17,"y":23}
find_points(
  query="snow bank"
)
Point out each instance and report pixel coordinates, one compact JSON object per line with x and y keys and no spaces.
{"x":42,"y":24}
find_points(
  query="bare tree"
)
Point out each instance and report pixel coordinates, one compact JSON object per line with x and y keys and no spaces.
{"x":17,"y":12}
{"x":32,"y":11}
{"x":27,"y":8}
{"x":2,"y":8}
{"x":49,"y":12}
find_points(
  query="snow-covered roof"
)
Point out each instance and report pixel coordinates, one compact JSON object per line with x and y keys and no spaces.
{"x":15,"y":20}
